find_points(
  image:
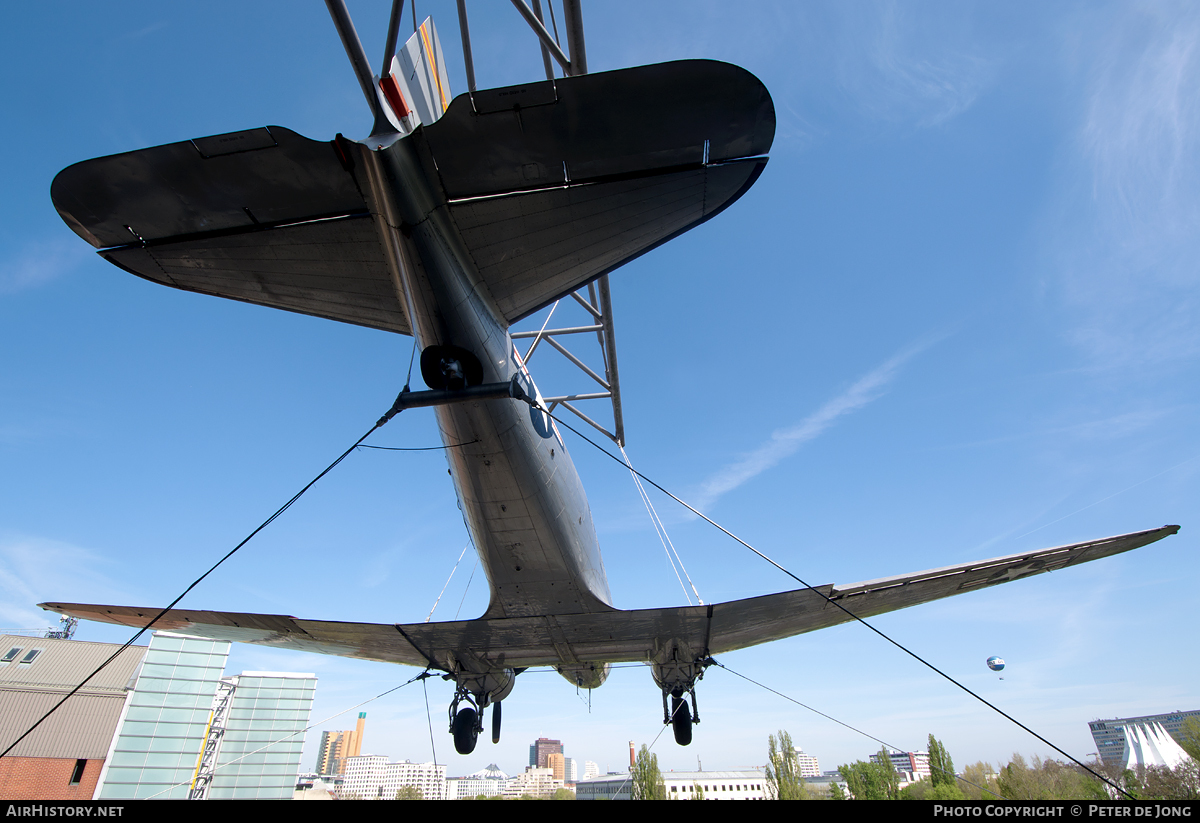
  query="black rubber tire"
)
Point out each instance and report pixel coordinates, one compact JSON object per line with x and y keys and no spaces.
{"x":496,"y":722}
{"x":465,"y":731}
{"x":681,"y":720}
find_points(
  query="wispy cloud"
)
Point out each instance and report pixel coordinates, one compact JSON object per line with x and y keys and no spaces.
{"x":903,"y":66}
{"x":146,"y":30}
{"x":35,"y":569}
{"x":39,"y":263}
{"x":1127,"y":237}
{"x":784,"y":442}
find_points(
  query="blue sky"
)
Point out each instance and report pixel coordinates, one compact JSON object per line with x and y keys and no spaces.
{"x":955,"y":318}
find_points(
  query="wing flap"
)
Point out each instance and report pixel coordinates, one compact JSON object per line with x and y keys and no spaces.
{"x":614,"y":636}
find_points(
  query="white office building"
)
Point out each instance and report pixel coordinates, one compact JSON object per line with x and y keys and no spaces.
{"x":372,"y":777}
{"x":488,"y":782}
{"x":749,"y":784}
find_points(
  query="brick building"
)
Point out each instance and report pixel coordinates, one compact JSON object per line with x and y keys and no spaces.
{"x":62,"y":758}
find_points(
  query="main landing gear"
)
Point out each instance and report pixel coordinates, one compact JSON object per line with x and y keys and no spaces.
{"x":676,"y":671}
{"x":682,"y":717}
{"x":475,"y":693}
{"x":466,"y":726}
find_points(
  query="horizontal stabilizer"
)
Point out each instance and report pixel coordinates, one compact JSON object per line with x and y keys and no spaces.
{"x":614,"y":636}
{"x":551,"y":185}
{"x":263,"y":216}
{"x":555,"y":183}
{"x":228,"y":182}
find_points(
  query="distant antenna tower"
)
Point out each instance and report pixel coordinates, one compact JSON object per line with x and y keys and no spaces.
{"x":66,"y":629}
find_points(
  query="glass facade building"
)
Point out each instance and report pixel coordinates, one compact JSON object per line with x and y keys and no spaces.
{"x":264,"y":737}
{"x":158,"y":741}
{"x":166,"y":721}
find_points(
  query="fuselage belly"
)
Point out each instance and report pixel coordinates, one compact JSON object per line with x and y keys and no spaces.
{"x":517,"y":486}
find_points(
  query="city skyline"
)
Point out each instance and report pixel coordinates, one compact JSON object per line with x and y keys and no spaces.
{"x":954,"y":319}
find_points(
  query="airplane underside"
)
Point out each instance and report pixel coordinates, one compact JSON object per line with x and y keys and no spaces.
{"x":496,"y":204}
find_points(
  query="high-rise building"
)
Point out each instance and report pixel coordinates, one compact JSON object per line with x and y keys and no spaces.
{"x":806,"y":764}
{"x":62,"y":758}
{"x":185,"y":726}
{"x":337,"y":746}
{"x":541,"y":749}
{"x":1109,"y":735}
{"x":557,"y":766}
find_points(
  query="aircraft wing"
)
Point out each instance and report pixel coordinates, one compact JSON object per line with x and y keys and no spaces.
{"x":550,"y":185}
{"x":614,"y":636}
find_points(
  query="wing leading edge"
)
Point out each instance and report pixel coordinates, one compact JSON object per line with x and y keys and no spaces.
{"x":614,"y":636}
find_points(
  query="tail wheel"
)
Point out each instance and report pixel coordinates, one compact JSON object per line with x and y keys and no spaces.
{"x":681,"y":720}
{"x":466,"y":731}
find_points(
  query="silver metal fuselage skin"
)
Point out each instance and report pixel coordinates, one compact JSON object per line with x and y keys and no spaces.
{"x":518,"y":489}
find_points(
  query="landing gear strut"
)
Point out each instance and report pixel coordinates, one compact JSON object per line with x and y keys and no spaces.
{"x":474,"y":693}
{"x":676,"y":670}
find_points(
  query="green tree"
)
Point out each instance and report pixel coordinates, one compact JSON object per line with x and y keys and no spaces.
{"x":836,"y":792}
{"x":1047,"y":780}
{"x":1189,"y":737}
{"x":941,"y":766}
{"x":979,"y":782}
{"x":697,"y":792}
{"x":872,"y":780}
{"x":647,"y":779}
{"x":783,"y":772}
{"x":409,"y":793}
{"x":1156,"y":782}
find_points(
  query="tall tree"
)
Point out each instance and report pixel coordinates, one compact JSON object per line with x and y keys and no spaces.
{"x":941,"y":767}
{"x":783,"y":772}
{"x":647,"y":779}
